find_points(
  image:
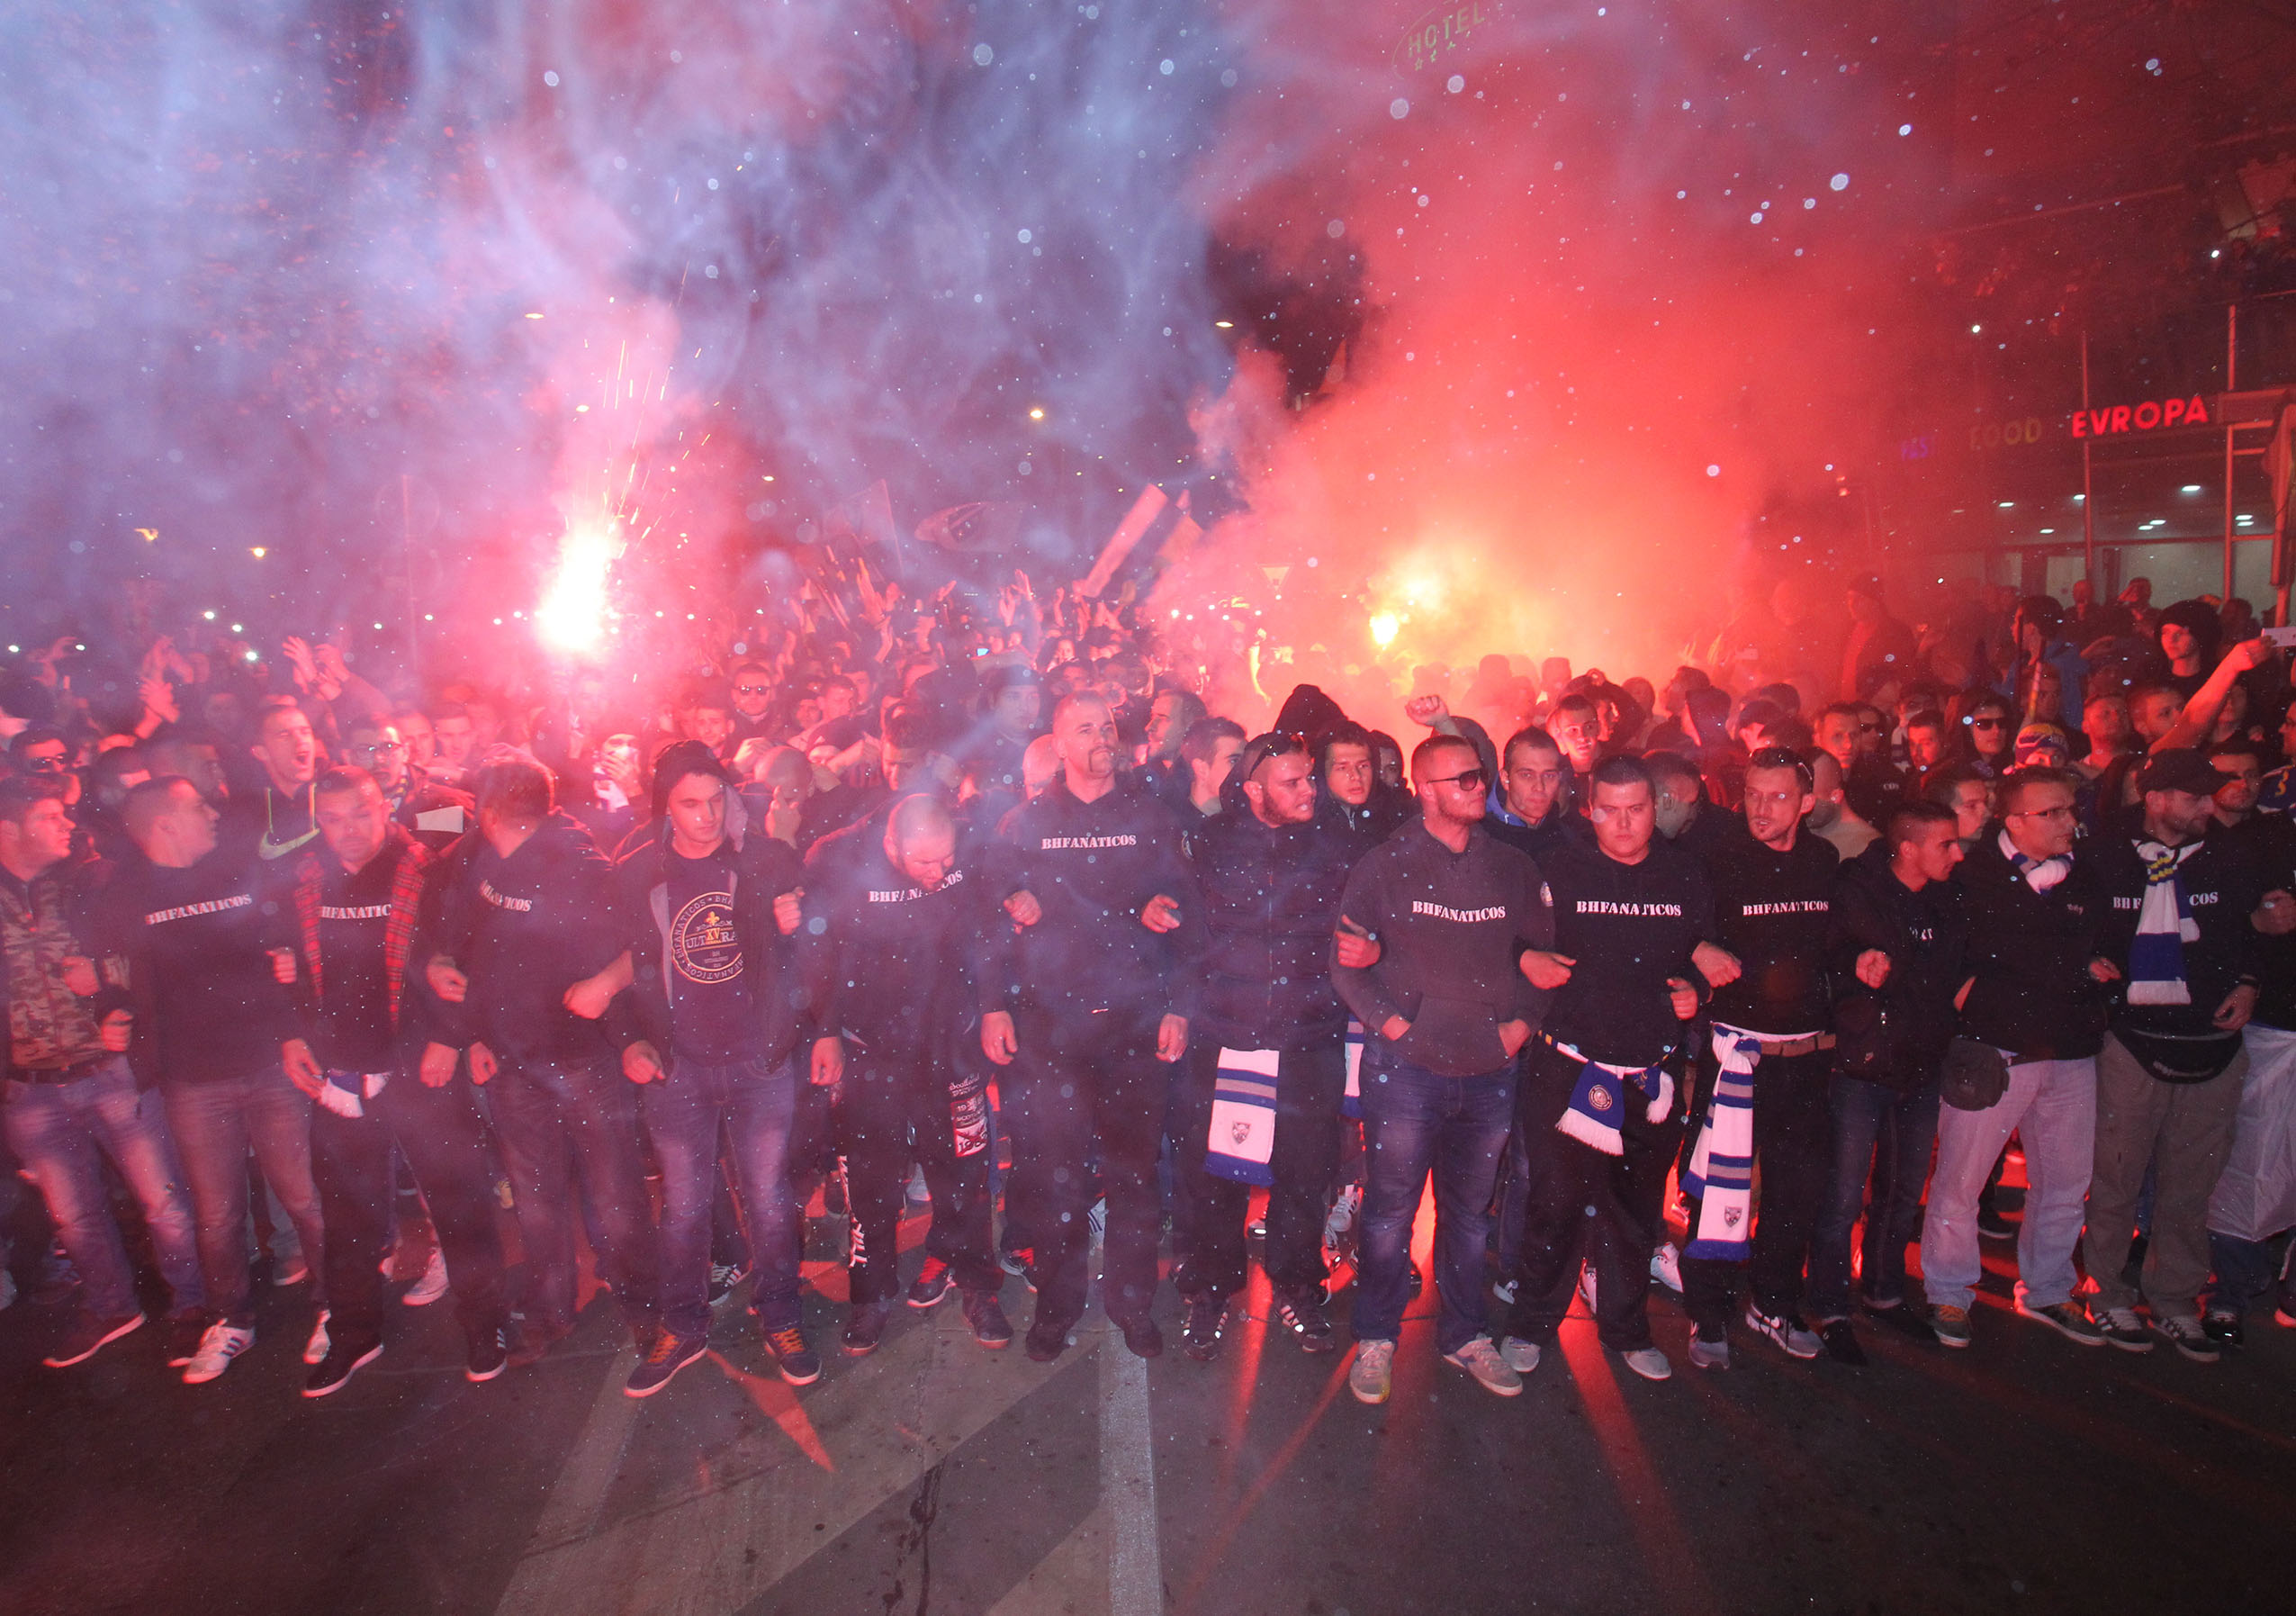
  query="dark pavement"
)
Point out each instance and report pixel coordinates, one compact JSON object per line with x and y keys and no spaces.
{"x":2026,"y":1473}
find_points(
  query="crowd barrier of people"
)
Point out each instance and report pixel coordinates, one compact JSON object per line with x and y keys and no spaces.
{"x":975,"y":911}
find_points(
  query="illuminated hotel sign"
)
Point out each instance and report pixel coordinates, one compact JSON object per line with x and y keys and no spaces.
{"x":2148,"y":417}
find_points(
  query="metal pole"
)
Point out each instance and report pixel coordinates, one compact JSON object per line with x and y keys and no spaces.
{"x":2088,"y":490}
{"x":2231,"y":357}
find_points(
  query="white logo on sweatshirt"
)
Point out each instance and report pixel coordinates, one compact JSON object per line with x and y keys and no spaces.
{"x":1464,"y":917}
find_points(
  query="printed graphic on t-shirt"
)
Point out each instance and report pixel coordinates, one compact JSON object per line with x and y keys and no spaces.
{"x":703,"y":943}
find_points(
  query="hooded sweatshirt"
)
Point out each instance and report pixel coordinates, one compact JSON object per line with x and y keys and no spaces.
{"x":1452,"y":928}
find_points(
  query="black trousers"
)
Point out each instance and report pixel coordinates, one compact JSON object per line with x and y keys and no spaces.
{"x":1582,"y":1206}
{"x":1794,"y":1154}
{"x":439,"y":1133}
{"x":1087,"y":1079}
{"x":888,"y":1099}
{"x":1211,"y":1211}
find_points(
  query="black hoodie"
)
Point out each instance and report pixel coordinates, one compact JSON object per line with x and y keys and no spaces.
{"x":1926,"y":936}
{"x":2221,"y":888}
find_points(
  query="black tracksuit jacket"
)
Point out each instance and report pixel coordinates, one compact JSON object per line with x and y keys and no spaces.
{"x":1271,"y":899}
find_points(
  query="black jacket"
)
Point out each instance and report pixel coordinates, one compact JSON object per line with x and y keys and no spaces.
{"x":1271,"y":899}
{"x":1451,"y":929}
{"x":2221,"y":888}
{"x":2029,"y":954}
{"x":523,"y":930}
{"x":890,"y":964}
{"x":1092,"y":867}
{"x":760,"y":870}
{"x":2268,"y":840}
{"x":1911,"y":1017}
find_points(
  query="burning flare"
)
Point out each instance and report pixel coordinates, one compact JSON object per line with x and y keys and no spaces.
{"x":571,"y":616}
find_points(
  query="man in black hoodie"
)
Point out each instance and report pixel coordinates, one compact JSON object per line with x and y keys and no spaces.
{"x":525,"y":932}
{"x":2037,"y":913}
{"x":1773,"y":889}
{"x":709,"y":1031}
{"x":894,"y":919}
{"x":1446,"y":1009}
{"x":2169,"y":1075}
{"x":1896,"y":944}
{"x":1095,"y":1003}
{"x":1271,"y":878}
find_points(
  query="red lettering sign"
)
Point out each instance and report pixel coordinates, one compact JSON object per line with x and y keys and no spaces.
{"x":2150,"y":416}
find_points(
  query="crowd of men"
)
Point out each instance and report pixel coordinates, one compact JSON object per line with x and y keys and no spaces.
{"x":1002,"y":921}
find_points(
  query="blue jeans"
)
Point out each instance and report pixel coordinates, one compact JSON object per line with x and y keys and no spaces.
{"x":2053,"y":1106}
{"x":216,"y":1121}
{"x":754,"y":1104}
{"x":1904,"y":1128}
{"x":1417,"y":1120}
{"x":551,"y":1120}
{"x":56,"y":1131}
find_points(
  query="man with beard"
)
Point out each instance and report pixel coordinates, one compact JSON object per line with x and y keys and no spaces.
{"x":893,"y":923}
{"x":1762,"y":1085}
{"x":2169,"y":1077}
{"x":1448,"y":1011}
{"x":1094,"y":1007}
{"x":1271,"y":878}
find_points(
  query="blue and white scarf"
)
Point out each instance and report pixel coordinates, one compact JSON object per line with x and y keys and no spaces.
{"x":1599,"y":1101}
{"x":1241,"y":1144}
{"x":1351,"y":1102}
{"x":2163,"y":926}
{"x":1721,"y":1174}
{"x":2041,"y":874}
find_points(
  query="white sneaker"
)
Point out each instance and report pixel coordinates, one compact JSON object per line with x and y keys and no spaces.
{"x":1587,"y":1286}
{"x":1504,"y":1289}
{"x":217,"y":1349}
{"x":1484,"y":1361}
{"x":1709,"y":1355}
{"x":1342,"y":1216}
{"x":315,"y":1348}
{"x":1649,"y":1363}
{"x":1373,"y":1374}
{"x":432,"y":1285}
{"x":1666,"y":1265}
{"x":1521,"y":1355}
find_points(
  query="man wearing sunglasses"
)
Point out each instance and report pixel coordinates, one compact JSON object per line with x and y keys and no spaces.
{"x":1447,"y":1010}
